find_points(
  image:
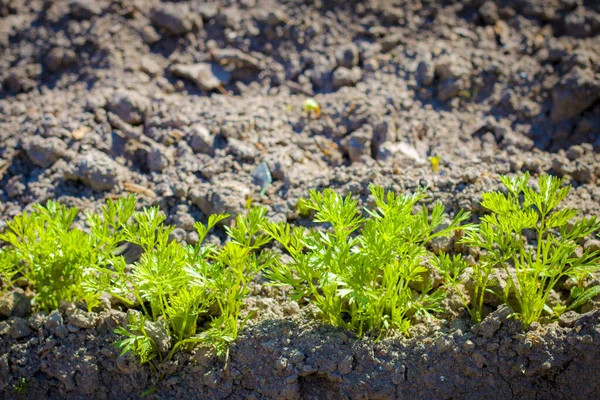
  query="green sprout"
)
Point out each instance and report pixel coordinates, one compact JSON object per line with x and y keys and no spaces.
{"x":21,"y":386}
{"x":366,"y":270}
{"x":44,"y":250}
{"x":311,"y":106}
{"x":360,"y":272}
{"x":176,"y":286}
{"x":533,"y":271}
{"x":169,"y":290}
{"x":435,"y":163}
{"x":302,"y":206}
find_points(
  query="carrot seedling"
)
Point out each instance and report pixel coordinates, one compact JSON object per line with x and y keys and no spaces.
{"x":435,"y":163}
{"x":533,"y":271}
{"x":45,"y":251}
{"x":312,"y":107}
{"x":360,"y":271}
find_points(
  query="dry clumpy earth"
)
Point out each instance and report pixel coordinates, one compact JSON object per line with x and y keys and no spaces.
{"x":181,"y":101}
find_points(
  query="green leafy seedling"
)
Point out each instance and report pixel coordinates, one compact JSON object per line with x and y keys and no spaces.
{"x":311,"y":106}
{"x":435,"y":163}
{"x":359,"y":271}
{"x":176,"y":285}
{"x":21,"y":386}
{"x":533,"y":271}
{"x":303,"y":208}
{"x":44,"y":250}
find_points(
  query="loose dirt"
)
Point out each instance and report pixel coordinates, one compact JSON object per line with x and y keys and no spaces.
{"x":182,"y":102}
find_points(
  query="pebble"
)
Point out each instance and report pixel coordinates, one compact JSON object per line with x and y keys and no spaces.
{"x":469,"y":345}
{"x":490,"y":325}
{"x":296,"y":356}
{"x":442,"y":244}
{"x":59,"y":58}
{"x":14,"y":303}
{"x":53,"y":321}
{"x":84,"y":9}
{"x":383,"y":131}
{"x":225,"y":196}
{"x":149,"y":35}
{"x":347,"y":55}
{"x":290,"y":308}
{"x":489,"y":12}
{"x":448,"y":89}
{"x":574,"y":93}
{"x":149,"y":66}
{"x":241,"y":150}
{"x":82,"y":319}
{"x":175,"y":18}
{"x":200,"y":139}
{"x":391,"y":41}
{"x":61,"y":332}
{"x":345,"y":366}
{"x":156,"y":160}
{"x":281,"y":363}
{"x":575,"y":152}
{"x":44,"y":152}
{"x":358,"y":144}
{"x":159,"y":333}
{"x":96,"y":170}
{"x":184,"y":220}
{"x":192,"y":237}
{"x":343,"y":76}
{"x":129,"y":105}
{"x":237,"y":58}
{"x":279,"y":163}
{"x":206,"y":76}
{"x":426,"y":73}
{"x":178,"y":235}
{"x":450,"y":67}
{"x":19,"y":328}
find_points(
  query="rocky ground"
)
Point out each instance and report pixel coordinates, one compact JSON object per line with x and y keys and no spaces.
{"x":186,"y":102}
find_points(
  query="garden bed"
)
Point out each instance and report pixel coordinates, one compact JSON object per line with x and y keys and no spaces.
{"x":203,"y":108}
{"x":296,"y":359}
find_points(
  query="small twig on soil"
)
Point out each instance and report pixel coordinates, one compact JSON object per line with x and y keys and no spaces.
{"x":224,"y":92}
{"x":139,"y":189}
{"x":4,"y":165}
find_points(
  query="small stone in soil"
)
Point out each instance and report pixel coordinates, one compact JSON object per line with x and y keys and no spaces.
{"x":15,"y":304}
{"x":43,"y":152}
{"x":262,"y":177}
{"x":206,"y":76}
{"x":343,"y":76}
{"x":19,"y":328}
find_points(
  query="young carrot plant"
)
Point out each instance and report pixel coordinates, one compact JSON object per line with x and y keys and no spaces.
{"x":532,"y":271}
{"x":227,"y":273}
{"x":44,"y":250}
{"x":360,"y":271}
{"x":453,"y":270}
{"x":175,"y":285}
{"x":172,"y":285}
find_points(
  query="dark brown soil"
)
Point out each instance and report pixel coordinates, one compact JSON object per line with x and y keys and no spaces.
{"x":181,"y":102}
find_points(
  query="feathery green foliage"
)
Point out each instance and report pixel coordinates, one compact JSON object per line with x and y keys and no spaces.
{"x":52,"y":257}
{"x":359,"y":271}
{"x":172,"y":285}
{"x":363,"y":271}
{"x":178,"y":284}
{"x":532,"y":271}
{"x":227,"y":273}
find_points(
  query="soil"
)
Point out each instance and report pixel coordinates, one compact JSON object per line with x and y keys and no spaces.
{"x":184,"y":103}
